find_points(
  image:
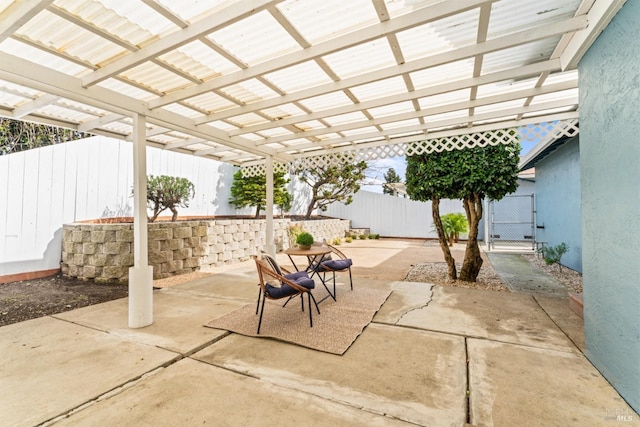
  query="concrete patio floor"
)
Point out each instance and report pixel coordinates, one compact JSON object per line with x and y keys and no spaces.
{"x":432,"y":356}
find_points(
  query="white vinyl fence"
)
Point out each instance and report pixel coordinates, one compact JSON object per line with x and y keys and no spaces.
{"x":42,"y":189}
{"x":392,"y":216}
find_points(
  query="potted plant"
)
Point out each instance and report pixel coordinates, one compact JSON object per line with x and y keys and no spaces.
{"x":304,"y":240}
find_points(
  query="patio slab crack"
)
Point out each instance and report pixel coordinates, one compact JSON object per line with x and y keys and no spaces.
{"x":416,"y":308}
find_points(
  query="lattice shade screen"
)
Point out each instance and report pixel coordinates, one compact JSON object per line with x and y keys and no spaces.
{"x":540,"y":131}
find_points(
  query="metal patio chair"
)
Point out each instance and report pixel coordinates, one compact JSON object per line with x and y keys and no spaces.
{"x":333,"y":266}
{"x":277,"y":283}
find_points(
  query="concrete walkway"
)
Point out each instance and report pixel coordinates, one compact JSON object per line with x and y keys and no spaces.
{"x":433,"y":356}
{"x":520,"y":276}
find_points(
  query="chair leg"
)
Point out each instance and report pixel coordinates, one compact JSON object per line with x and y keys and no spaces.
{"x":324,"y":283}
{"x":310,"y":311}
{"x":302,"y":302}
{"x":287,"y":301}
{"x":315,"y":302}
{"x":258,"y":304}
{"x":264,"y":298}
{"x":350,"y":279}
{"x":334,"y":285}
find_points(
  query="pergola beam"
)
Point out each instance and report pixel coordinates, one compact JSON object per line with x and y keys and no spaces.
{"x":457,"y":121}
{"x":455,"y":106}
{"x":500,"y":43}
{"x":99,"y":121}
{"x":520,"y":72}
{"x":599,"y":16}
{"x":34,"y":105}
{"x":203,"y":27}
{"x":434,"y":12}
{"x":18,"y":14}
{"x":436,"y":134}
{"x":30,"y":74}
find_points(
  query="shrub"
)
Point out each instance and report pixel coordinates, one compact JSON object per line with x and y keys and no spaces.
{"x":453,"y":224}
{"x":304,"y":239}
{"x":553,"y":254}
{"x":293,"y":231}
{"x":363,"y":236}
{"x":348,"y":239}
{"x":372,"y":236}
{"x":168,"y":192}
{"x":337,"y":242}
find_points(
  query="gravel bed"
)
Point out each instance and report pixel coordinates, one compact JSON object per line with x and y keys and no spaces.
{"x":437,"y":273}
{"x":571,"y":278}
{"x":488,"y":279}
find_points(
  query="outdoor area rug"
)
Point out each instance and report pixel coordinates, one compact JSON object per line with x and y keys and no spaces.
{"x":334,"y":329}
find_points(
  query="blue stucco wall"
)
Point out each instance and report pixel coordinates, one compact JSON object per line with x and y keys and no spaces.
{"x":558,"y":201}
{"x":610,"y":176}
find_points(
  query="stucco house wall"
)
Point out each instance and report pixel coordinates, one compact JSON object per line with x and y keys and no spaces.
{"x":609,"y":174}
{"x":558,"y":211}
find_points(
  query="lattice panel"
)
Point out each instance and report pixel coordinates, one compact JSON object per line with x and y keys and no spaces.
{"x":540,"y":131}
{"x":550,"y":130}
{"x":260,"y":169}
{"x":460,"y":142}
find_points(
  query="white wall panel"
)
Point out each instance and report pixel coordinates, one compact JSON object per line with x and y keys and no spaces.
{"x":4,"y":190}
{"x":44,"y":201}
{"x":14,"y":208}
{"x":42,"y":189}
{"x":70,"y":179}
{"x":29,"y":204}
{"x":391,"y":216}
{"x":82,"y":183}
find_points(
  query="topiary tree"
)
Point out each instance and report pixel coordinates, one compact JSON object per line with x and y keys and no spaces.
{"x":168,"y":192}
{"x":252,"y":191}
{"x":468,"y":174}
{"x":390,"y":177}
{"x":332,"y":184}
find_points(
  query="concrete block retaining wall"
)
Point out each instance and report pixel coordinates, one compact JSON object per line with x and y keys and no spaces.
{"x":104,"y":252}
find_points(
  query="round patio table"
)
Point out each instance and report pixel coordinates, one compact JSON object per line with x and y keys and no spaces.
{"x":314,"y":257}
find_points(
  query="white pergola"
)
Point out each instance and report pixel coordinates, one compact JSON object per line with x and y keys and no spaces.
{"x":257,"y":83}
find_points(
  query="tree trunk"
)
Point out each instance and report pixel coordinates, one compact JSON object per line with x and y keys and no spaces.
{"x":156,"y":212}
{"x":310,"y":208}
{"x":258,"y":211}
{"x":174,"y":217}
{"x":442,"y":237}
{"x":472,"y":259}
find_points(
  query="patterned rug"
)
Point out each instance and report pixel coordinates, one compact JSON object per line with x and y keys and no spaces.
{"x":334,"y":329}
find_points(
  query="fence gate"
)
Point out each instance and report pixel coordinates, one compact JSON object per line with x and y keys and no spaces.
{"x":512,"y":223}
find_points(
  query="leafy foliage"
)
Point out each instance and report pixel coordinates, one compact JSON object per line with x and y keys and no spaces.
{"x":293,"y":231}
{"x":470,"y":175}
{"x":16,"y":135}
{"x":553,"y":254}
{"x":390,"y":177}
{"x":454,"y":224}
{"x":304,"y":239}
{"x":168,"y":192}
{"x":252,"y":191}
{"x":332,"y":184}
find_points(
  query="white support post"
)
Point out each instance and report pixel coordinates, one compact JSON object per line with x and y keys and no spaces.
{"x":270,"y":246}
{"x":141,"y":274}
